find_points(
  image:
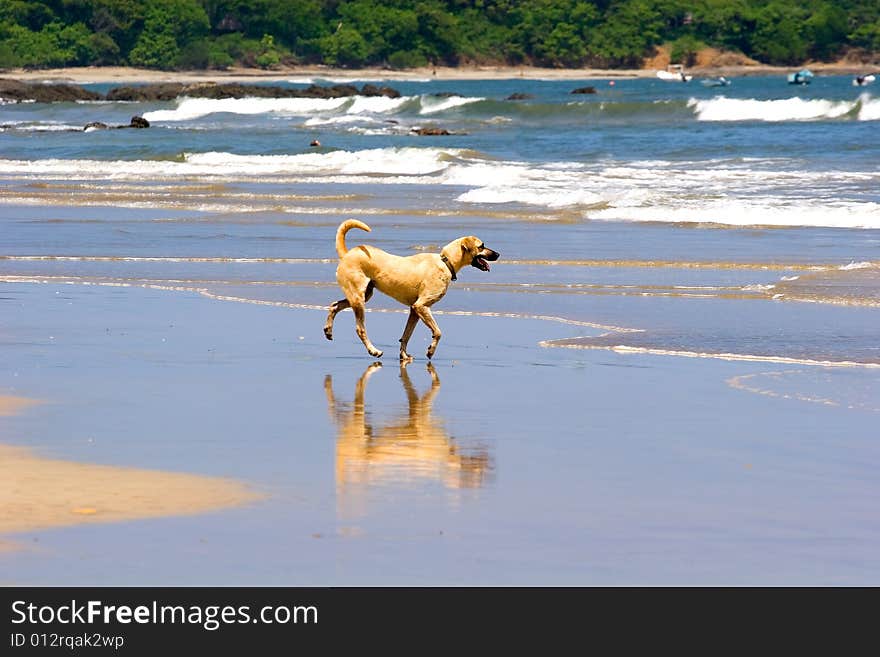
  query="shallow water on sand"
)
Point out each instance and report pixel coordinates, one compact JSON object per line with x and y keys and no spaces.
{"x":671,"y":375}
{"x":501,"y":463}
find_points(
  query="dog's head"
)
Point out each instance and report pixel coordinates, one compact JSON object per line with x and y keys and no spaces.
{"x":476,"y":254}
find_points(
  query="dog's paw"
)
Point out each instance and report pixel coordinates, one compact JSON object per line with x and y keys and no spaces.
{"x":405,"y":357}
{"x":328,"y":332}
{"x":376,"y":353}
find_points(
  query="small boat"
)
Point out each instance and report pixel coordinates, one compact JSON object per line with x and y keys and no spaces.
{"x":863,"y":80}
{"x":720,"y":81}
{"x":675,"y":73}
{"x":801,"y":77}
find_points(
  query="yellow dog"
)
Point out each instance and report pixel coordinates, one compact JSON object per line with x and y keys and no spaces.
{"x":418,"y":281}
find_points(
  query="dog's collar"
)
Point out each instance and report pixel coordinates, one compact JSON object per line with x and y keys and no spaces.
{"x":448,"y":265}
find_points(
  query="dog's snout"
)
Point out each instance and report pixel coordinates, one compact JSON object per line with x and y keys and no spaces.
{"x":491,"y":255}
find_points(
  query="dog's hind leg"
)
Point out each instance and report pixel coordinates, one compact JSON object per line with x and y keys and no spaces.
{"x":407,"y":333}
{"x":335,"y":308}
{"x":338,"y":306}
{"x":357,"y":292}
{"x":361,"y":329}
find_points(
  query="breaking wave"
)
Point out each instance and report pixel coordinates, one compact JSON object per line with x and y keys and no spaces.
{"x":734,"y":192}
{"x":188,"y":109}
{"x":721,"y":108}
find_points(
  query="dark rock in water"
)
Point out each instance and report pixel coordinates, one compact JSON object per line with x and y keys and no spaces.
{"x":136,"y":122}
{"x":371,"y":90}
{"x":147,"y":92}
{"x":340,"y":90}
{"x":445,"y":94}
{"x":519,"y":96}
{"x":18,"y":91}
{"x":170,"y":91}
{"x":14,"y":90}
{"x":430,"y":132}
{"x":313,"y":91}
{"x":584,"y":90}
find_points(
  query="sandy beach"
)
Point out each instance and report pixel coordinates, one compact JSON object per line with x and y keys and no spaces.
{"x":118,"y":74}
{"x":42,"y":493}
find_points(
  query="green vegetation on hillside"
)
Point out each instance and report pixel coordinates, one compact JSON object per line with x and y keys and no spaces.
{"x":174,"y":34}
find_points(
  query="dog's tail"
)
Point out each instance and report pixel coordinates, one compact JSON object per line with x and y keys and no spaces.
{"x":344,"y":227}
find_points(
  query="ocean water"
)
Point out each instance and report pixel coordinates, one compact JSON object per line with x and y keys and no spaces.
{"x":756,"y":194}
{"x":707,"y":256}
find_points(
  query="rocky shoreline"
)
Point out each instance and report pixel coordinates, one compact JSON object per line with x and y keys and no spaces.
{"x":19,"y":91}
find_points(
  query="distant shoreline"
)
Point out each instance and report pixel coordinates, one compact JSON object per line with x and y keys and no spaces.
{"x":117,"y":74}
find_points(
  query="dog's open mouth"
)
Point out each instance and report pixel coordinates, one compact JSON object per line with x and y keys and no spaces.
{"x":480,"y":263}
{"x":479,"y":260}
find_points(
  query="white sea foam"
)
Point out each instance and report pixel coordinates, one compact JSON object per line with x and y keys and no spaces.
{"x":339,"y":120}
{"x":193,"y":108}
{"x":376,"y":104}
{"x":189,"y":109}
{"x":393,"y":161}
{"x":722,"y":108}
{"x":758,"y":192}
{"x":44,"y":126}
{"x":870,"y":108}
{"x":513,"y":182}
{"x":765,"y":211}
{"x":858,"y":265}
{"x":371,"y":162}
{"x":433,"y":105}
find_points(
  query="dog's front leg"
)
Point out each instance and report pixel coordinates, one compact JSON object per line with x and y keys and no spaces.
{"x":407,"y":333}
{"x":425,"y":314}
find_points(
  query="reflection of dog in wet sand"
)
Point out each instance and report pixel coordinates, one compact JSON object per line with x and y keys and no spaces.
{"x":412,"y":446}
{"x":417,"y":281}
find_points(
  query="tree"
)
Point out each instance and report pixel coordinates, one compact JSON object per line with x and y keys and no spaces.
{"x":630,"y":30}
{"x":345,"y":47}
{"x":167,"y":25}
{"x":778,"y":37}
{"x":825,"y":31}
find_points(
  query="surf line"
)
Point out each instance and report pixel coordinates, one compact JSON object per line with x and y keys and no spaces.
{"x":455,"y":313}
{"x":309,"y":306}
{"x":564,"y":343}
{"x":609,"y":330}
{"x":754,"y":358}
{"x":740,"y":383}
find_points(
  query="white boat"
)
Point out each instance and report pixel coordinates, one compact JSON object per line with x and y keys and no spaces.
{"x":675,"y":73}
{"x":863,"y":80}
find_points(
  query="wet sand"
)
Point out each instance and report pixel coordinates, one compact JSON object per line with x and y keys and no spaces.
{"x":12,"y":405}
{"x":43,"y":493}
{"x":37,"y":492}
{"x":504,"y":462}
